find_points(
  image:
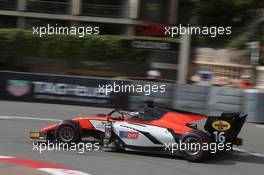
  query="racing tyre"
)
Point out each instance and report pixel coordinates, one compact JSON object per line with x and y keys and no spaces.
{"x":68,"y":131}
{"x":195,"y":153}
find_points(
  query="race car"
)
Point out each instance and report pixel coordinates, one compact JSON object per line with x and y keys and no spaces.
{"x":155,"y":129}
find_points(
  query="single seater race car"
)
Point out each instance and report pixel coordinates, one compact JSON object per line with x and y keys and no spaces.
{"x":155,"y":129}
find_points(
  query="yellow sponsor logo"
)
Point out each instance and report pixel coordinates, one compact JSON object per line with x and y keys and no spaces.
{"x":221,"y":125}
{"x":34,"y":135}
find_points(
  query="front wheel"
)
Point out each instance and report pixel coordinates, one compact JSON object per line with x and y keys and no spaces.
{"x":193,"y":142}
{"x":68,"y":131}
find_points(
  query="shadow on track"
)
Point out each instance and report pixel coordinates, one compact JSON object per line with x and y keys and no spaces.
{"x":228,"y":158}
{"x":233,"y":157}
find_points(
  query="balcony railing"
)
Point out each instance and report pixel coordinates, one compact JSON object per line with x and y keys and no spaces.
{"x":48,"y":7}
{"x":59,"y":7}
{"x":8,"y":4}
{"x":105,"y":10}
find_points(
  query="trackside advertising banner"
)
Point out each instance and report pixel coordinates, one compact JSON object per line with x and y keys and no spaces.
{"x":61,"y":89}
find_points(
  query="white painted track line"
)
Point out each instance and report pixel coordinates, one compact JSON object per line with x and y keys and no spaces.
{"x":55,"y":171}
{"x":248,"y":152}
{"x":5,"y":157}
{"x":260,"y":126}
{"x":28,"y":118}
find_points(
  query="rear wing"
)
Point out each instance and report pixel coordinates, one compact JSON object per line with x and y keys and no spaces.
{"x":228,"y":123}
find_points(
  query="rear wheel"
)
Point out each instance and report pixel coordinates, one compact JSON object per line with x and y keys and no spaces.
{"x":68,"y":132}
{"x":194,"y":141}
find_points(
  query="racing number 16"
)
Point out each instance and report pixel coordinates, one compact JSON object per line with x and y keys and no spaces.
{"x":219,"y":136}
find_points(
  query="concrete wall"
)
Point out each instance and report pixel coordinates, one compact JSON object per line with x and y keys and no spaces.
{"x":254,"y":105}
{"x":136,"y":99}
{"x":212,"y":100}
{"x":224,"y":99}
{"x":191,"y":98}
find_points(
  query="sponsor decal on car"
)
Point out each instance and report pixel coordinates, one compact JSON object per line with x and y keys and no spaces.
{"x":221,"y":125}
{"x":101,"y":125}
{"x":129,"y":135}
{"x":18,"y":87}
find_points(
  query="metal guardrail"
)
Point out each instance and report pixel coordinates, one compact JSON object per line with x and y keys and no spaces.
{"x":212,"y":100}
{"x":60,"y":89}
{"x":208,"y":100}
{"x":191,"y":98}
{"x":137,"y":99}
{"x":253,"y":105}
{"x":225,"y":99}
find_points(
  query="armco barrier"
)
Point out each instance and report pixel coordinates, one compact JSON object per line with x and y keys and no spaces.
{"x":213,"y":100}
{"x":254,"y":105}
{"x":164,"y":97}
{"x":209,"y":100}
{"x":60,"y":89}
{"x":191,"y":98}
{"x":225,"y":99}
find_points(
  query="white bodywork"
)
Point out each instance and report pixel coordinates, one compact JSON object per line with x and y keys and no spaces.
{"x":135,"y":134}
{"x":98,"y":124}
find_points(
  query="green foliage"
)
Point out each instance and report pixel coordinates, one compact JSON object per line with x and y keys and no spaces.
{"x":214,"y":12}
{"x":21,"y":43}
{"x":222,"y":12}
{"x":248,"y":4}
{"x":235,"y":13}
{"x":238,"y":42}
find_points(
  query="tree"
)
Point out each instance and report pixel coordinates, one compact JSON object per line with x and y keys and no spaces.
{"x":224,"y":12}
{"x":239,"y":14}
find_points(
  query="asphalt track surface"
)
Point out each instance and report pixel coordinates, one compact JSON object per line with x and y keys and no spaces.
{"x":14,"y":142}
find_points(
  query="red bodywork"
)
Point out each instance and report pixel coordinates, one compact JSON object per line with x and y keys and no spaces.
{"x":173,"y":120}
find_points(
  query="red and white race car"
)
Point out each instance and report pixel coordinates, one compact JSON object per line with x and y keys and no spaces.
{"x":156,"y":129}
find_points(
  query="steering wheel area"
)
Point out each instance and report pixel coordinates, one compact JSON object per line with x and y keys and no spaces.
{"x":121,"y":114}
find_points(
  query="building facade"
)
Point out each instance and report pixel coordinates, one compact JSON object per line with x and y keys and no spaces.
{"x":113,"y":16}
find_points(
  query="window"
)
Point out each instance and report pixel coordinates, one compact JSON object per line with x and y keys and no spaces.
{"x":49,"y":6}
{"x":8,"y":4}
